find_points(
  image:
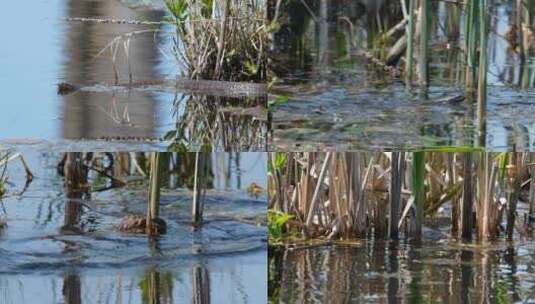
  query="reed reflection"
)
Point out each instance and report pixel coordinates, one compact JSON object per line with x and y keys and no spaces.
{"x":394,"y":272}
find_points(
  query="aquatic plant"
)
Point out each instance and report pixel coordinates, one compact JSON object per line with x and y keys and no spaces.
{"x":3,"y":169}
{"x":462,"y":31}
{"x":221,"y":39}
{"x":153,"y":207}
{"x":410,"y":45}
{"x":198,"y":188}
{"x":424,"y":43}
{"x":418,"y":190}
{"x":3,"y":179}
{"x":179,"y":9}
{"x":76,"y":187}
{"x":205,"y":123}
{"x":276,"y":222}
{"x":8,"y":156}
{"x":350,"y":195}
{"x":156,"y":287}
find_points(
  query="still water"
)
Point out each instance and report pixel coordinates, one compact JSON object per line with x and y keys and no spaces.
{"x":404,"y":272}
{"x":48,"y":259}
{"x":45,"y":49}
{"x":331,"y":97}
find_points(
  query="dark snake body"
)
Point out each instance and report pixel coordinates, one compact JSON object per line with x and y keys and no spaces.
{"x":205,"y":87}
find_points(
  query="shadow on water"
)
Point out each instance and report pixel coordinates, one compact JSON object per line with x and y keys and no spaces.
{"x":104,"y":117}
{"x":331,"y":96}
{"x":401,"y":272}
{"x":62,"y":241}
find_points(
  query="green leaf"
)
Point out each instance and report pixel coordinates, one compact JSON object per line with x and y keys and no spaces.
{"x":179,"y":8}
{"x":278,"y":101}
{"x":458,"y":149}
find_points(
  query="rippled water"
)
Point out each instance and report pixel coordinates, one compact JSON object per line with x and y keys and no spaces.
{"x":331,"y":97}
{"x":45,"y":50}
{"x":346,"y":117}
{"x":380,"y":272}
{"x":45,"y":261}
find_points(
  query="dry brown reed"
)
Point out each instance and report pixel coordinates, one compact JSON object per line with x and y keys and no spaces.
{"x":221,"y":39}
{"x":339,"y":195}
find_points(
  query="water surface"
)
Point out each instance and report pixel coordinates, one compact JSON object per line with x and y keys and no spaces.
{"x":329,"y":96}
{"x":46,"y":49}
{"x":57,"y":248}
{"x":403,"y":272}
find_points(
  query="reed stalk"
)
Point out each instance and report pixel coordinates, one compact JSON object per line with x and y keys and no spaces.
{"x":75,"y":186}
{"x":153,"y":287}
{"x":347,"y":195}
{"x":455,"y":208}
{"x":482,"y":81}
{"x":221,"y":39}
{"x":424,"y":43}
{"x":487,"y":213}
{"x":467,"y":201}
{"x":418,"y":178}
{"x":154,"y":192}
{"x":395,"y":194}
{"x":484,"y":196}
{"x":531,"y":171}
{"x":514,"y":191}
{"x":197,"y":204}
{"x":471,"y":45}
{"x":410,"y":45}
{"x":201,"y":285}
{"x":72,"y":288}
{"x":314,"y":202}
{"x":520,"y":28}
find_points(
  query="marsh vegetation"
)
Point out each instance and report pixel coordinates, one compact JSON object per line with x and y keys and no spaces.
{"x":401,"y":222}
{"x":335,"y":195}
{"x":402,"y":74}
{"x":156,"y":227}
{"x":125,"y":66}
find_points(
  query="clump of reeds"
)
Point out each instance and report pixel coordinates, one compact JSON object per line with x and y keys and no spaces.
{"x":184,"y":169}
{"x":218,"y":123}
{"x":221,"y":39}
{"x":352,"y":195}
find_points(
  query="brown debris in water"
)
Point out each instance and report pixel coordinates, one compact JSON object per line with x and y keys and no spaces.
{"x":65,"y":88}
{"x":255,"y":190}
{"x":138,"y":224}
